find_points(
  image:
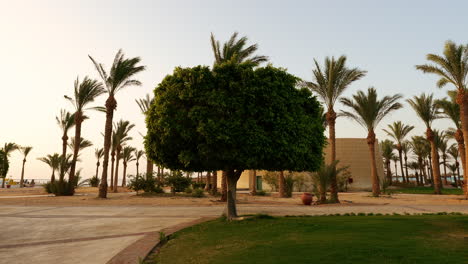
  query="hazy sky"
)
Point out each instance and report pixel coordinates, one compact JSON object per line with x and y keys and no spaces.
{"x":44,"y":47}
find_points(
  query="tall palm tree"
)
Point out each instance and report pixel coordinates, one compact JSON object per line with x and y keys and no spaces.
{"x":442,"y":146}
{"x":452,"y":68}
{"x":367,"y":110}
{"x":426,"y":109}
{"x":454,"y":153}
{"x":54,"y":163}
{"x":145,"y":104}
{"x":138,"y":154}
{"x":25,"y":151}
{"x":329,"y":83}
{"x":6,"y":151}
{"x":451,"y":110}
{"x":398,"y":131}
{"x":119,"y":77}
{"x":84,"y":93}
{"x":122,"y":130}
{"x":98,"y":153}
{"x":127,"y":156}
{"x":235,"y":50}
{"x":65,"y":121}
{"x":113,"y":151}
{"x":386,"y":147}
{"x":419,"y":147}
{"x":82,"y":144}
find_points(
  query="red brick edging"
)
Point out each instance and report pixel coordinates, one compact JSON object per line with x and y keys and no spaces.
{"x":142,"y":247}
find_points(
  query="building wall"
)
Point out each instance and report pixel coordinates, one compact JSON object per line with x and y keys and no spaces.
{"x":352,"y":152}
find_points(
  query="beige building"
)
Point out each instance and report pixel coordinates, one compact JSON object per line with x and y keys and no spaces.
{"x":352,"y":152}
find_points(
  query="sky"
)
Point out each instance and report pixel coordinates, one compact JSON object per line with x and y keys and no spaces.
{"x":44,"y":47}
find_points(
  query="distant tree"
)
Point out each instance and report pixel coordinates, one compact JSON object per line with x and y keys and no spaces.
{"x":386,"y":147}
{"x":419,"y":146}
{"x":7,"y":149}
{"x":453,"y":151}
{"x":329,"y":82}
{"x":138,"y":154}
{"x":65,"y":121}
{"x":144,"y":104}
{"x":82,"y":144}
{"x":120,"y":76}
{"x":122,"y":130}
{"x":127,"y":156}
{"x":54,"y":163}
{"x":234,"y":118}
{"x":25,"y":151}
{"x":235,"y":51}
{"x":367,"y":110}
{"x":426,"y":109}
{"x":398,"y":131}
{"x":98,"y":153}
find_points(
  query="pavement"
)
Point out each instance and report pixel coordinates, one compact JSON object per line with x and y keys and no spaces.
{"x":95,"y":234}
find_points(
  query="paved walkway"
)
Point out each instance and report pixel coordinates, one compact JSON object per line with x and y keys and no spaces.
{"x":90,"y":235}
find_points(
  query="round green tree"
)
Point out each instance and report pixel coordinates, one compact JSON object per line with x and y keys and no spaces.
{"x":234,"y":118}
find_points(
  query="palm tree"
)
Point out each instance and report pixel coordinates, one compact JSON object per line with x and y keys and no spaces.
{"x":25,"y":151}
{"x":395,"y":160}
{"x":455,"y":170}
{"x":398,"y":131}
{"x":65,"y":163}
{"x":367,"y":110}
{"x":426,"y":109}
{"x":65,"y":121}
{"x":452,"y":68}
{"x":127,"y":156}
{"x":84,"y":93}
{"x":54,"y":163}
{"x":113,"y":151}
{"x":119,"y":77}
{"x":451,"y":110}
{"x":138,"y":154}
{"x":82,"y":144}
{"x":98,"y":153}
{"x":235,"y":50}
{"x":386,"y":147}
{"x":145,"y":104}
{"x":6,"y":151}
{"x":419,"y":147}
{"x":122,"y":129}
{"x":442,"y":146}
{"x":330,"y":83}
{"x":405,"y":147}
{"x":453,"y":151}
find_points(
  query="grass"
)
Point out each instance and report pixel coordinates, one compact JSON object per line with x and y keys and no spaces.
{"x":426,"y":190}
{"x":321,"y":239}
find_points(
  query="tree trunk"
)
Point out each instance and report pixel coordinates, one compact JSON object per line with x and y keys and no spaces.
{"x":331,"y":118}
{"x":396,"y":171}
{"x":112,"y":171}
{"x":462,"y":100}
{"x":400,"y":156}
{"x":208,"y":181}
{"x":78,"y":121}
{"x":375,"y":177}
{"x":389,"y":173}
{"x":110,"y":106}
{"x":97,"y":169}
{"x":431,"y":171}
{"x":64,"y":155}
{"x":22,"y":175}
{"x":458,"y":175}
{"x":232,"y":177}
{"x":435,"y":161}
{"x":406,"y":168}
{"x":224,"y":186}
{"x":214,"y":183}
{"x":149,"y":167}
{"x":281,"y":185}
{"x":52,"y":178}
{"x":116,"y":175}
{"x":124,"y":175}
{"x":253,"y":183}
{"x":137,"y":165}
{"x":444,"y":158}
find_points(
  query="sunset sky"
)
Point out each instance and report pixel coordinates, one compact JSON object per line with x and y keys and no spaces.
{"x":45,"y":46}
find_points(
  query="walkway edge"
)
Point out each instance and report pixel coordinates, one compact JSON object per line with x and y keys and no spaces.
{"x":142,"y":247}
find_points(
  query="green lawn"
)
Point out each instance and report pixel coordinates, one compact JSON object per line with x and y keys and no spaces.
{"x":322,"y":239}
{"x":425,"y":190}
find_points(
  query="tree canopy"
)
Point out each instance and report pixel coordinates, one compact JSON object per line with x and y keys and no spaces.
{"x":234,"y":117}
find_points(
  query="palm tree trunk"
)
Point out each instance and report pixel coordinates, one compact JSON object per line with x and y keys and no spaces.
{"x":22,"y":175}
{"x":137,"y":165}
{"x":149,"y":168}
{"x":64,"y":155}
{"x":112,"y":171}
{"x":224,"y":186}
{"x":214,"y":184}
{"x":389,"y":172}
{"x":116,"y":175}
{"x":458,"y":174}
{"x":97,"y":169}
{"x":396,"y":172}
{"x":52,"y":178}
{"x":124,"y":180}
{"x":444,"y":158}
{"x":406,"y":168}
{"x":375,"y":177}
{"x":462,"y":100}
{"x":435,"y":162}
{"x":400,"y":156}
{"x":281,"y":185}
{"x":232,"y":177}
{"x":110,"y":106}
{"x":331,"y":118}
{"x":253,"y":183}
{"x":78,"y":121}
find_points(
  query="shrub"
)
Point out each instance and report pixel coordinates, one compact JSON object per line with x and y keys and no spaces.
{"x":60,"y":188}
{"x":198,"y":193}
{"x":177,"y":181}
{"x":188,"y":190}
{"x":198,"y":185}
{"x":146,"y":184}
{"x":289,"y":184}
{"x":94,"y":181}
{"x":261,"y":193}
{"x":271,"y":178}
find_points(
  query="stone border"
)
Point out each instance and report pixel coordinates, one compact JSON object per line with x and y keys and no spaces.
{"x":143,"y":247}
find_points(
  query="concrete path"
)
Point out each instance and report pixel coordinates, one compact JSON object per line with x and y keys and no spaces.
{"x":89,"y":235}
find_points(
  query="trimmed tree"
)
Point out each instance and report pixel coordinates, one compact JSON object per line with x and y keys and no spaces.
{"x":234,"y":118}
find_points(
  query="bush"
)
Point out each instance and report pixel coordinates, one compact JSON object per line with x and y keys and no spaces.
{"x":94,"y":181}
{"x":261,"y":193}
{"x":188,"y":190}
{"x":289,"y":184}
{"x":178,"y":182}
{"x":198,"y":193}
{"x":146,"y":184}
{"x":198,"y":185}
{"x":60,"y":188}
{"x":271,"y":178}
